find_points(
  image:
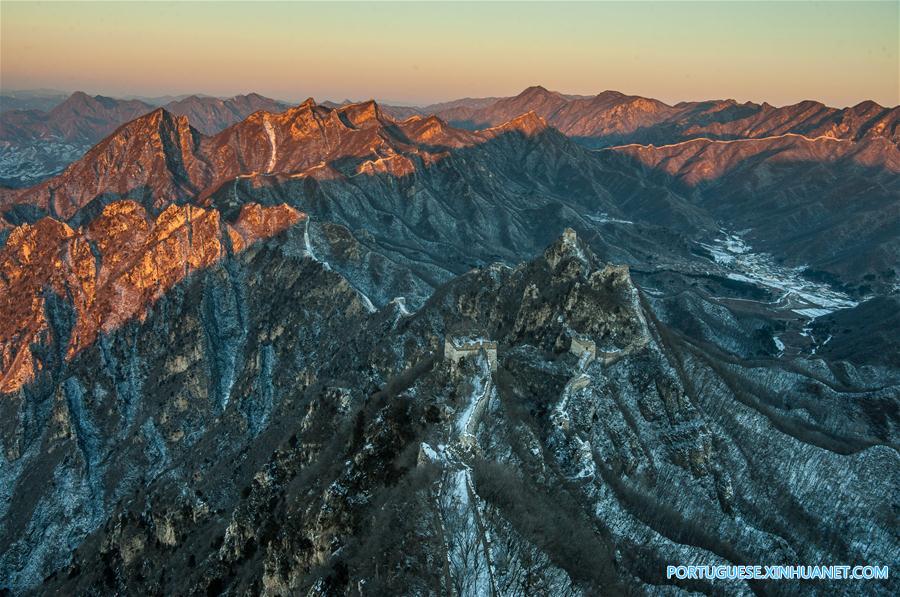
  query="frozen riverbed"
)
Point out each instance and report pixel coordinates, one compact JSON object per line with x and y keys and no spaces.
{"x":796,"y":293}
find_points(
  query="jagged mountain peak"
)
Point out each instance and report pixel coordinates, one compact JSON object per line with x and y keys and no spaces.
{"x":610,"y":94}
{"x":363,"y":114}
{"x":537,"y":91}
{"x":528,"y":123}
{"x":79,"y":97}
{"x":568,"y":247}
{"x":82,"y":103}
{"x":152,"y":127}
{"x":158,"y":117}
{"x":564,"y":291}
{"x":432,"y":123}
{"x":152,"y":156}
{"x":306,"y":108}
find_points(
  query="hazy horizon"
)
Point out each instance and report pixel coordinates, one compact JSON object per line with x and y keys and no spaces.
{"x":838,"y":53}
{"x":387,"y":101}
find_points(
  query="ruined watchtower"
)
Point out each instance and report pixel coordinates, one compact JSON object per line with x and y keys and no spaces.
{"x":582,"y":346}
{"x":456,"y":349}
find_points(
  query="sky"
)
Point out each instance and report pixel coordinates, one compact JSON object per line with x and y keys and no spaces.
{"x":419,"y":52}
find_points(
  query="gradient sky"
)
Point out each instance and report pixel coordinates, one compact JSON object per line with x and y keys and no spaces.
{"x":780,"y":52}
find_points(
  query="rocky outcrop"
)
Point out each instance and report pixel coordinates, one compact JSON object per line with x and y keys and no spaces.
{"x":106,"y":273}
{"x":152,"y":159}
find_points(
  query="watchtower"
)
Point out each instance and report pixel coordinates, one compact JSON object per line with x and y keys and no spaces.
{"x":581,"y":346}
{"x":457,"y":349}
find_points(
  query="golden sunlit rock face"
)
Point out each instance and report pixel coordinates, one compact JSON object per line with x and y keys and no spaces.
{"x":111,"y":271}
{"x":161,"y":156}
{"x":701,"y":160}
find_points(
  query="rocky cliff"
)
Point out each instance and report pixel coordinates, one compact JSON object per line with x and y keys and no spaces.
{"x":61,"y":287}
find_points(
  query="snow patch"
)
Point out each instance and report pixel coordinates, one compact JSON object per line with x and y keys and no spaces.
{"x":400,"y":301}
{"x":778,"y":344}
{"x":367,"y":303}
{"x":603,"y":218}
{"x":802,"y":296}
{"x":270,"y":132}
{"x":468,"y":419}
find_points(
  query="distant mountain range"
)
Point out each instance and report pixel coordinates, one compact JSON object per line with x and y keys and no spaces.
{"x":84,"y":118}
{"x":160,"y":157}
{"x":35,"y":144}
{"x":613,"y":118}
{"x":33,"y":99}
{"x":79,"y":119}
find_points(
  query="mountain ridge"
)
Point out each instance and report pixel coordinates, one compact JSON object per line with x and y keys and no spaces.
{"x":166,"y":157}
{"x":35,"y":145}
{"x":611,"y":118}
{"x":160,"y":158}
